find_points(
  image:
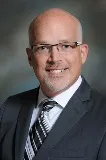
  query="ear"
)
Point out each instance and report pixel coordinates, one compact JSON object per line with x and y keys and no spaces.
{"x":84,"y":52}
{"x":29,"y":54}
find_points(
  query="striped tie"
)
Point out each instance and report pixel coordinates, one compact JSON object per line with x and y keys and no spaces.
{"x":38,"y":131}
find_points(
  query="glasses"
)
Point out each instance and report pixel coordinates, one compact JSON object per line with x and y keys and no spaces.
{"x":61,"y":47}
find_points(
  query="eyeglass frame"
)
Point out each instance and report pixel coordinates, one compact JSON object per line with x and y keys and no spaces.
{"x":52,"y":45}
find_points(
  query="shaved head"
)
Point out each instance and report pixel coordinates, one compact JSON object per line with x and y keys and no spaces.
{"x":54,"y":15}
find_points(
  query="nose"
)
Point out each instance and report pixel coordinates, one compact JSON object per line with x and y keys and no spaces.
{"x":54,"y":54}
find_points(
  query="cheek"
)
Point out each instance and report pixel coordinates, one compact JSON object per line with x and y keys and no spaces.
{"x":75,"y":63}
{"x":39,"y":63}
{"x":78,"y":59}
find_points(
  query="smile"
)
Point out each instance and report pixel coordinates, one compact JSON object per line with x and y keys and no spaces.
{"x":56,"y":70}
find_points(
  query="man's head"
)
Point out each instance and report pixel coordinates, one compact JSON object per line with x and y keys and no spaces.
{"x":58,"y":66}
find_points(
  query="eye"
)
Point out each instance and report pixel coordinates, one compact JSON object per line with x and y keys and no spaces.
{"x":42,"y":48}
{"x":66,"y":46}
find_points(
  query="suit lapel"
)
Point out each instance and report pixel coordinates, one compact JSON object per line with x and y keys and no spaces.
{"x":73,"y":112}
{"x":23,"y":124}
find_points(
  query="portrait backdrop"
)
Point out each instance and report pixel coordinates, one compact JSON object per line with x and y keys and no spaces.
{"x":15,"y":73}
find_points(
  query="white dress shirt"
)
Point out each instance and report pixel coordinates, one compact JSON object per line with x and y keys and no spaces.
{"x":62,"y":99}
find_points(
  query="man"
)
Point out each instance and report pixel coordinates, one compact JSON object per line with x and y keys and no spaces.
{"x":76,"y":125}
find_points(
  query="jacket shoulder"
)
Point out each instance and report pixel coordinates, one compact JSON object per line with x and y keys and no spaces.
{"x":16,"y":101}
{"x":25,"y":95}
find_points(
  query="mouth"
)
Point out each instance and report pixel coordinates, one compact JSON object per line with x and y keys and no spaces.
{"x":56,"y":70}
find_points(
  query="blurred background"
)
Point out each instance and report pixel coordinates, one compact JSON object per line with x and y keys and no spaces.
{"x":15,"y":16}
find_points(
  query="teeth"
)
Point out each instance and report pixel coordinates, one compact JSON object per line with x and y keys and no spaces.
{"x":57,"y":71}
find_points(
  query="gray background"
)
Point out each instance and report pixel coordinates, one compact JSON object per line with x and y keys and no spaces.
{"x":15,"y":73}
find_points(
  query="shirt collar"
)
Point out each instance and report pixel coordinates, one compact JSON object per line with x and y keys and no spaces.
{"x":63,"y":97}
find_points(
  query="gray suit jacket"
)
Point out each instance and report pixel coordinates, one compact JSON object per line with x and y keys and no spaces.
{"x":79,"y":132}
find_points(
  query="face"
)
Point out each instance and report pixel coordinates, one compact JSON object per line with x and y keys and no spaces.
{"x":57,"y":71}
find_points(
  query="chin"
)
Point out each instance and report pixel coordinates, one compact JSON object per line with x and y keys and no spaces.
{"x":56,"y":87}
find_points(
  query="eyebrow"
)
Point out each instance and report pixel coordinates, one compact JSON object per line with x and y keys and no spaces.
{"x":46,"y":43}
{"x":64,"y":41}
{"x":41,"y":43}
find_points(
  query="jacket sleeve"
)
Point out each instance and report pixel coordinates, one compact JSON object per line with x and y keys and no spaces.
{"x":4,"y":112}
{"x":2,"y":108}
{"x":102,"y":149}
{"x":8,"y":114}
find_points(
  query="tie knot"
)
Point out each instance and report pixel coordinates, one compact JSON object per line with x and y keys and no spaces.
{"x":48,"y":105}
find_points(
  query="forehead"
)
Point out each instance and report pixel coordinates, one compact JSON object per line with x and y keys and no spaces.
{"x":55,"y":28}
